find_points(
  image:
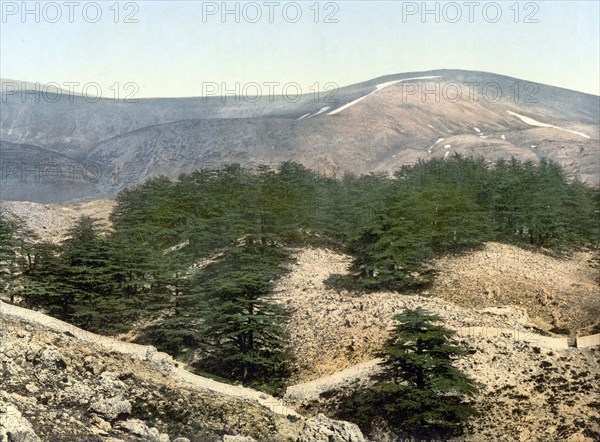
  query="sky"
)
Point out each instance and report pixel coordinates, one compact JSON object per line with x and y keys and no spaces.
{"x":189,"y":48}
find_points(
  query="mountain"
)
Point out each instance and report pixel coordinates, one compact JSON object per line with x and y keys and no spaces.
{"x":69,"y":122}
{"x":372,"y":126}
{"x":32,"y":173}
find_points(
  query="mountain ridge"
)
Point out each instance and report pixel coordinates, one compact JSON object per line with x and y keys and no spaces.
{"x":377,"y":79}
{"x":377,"y":125}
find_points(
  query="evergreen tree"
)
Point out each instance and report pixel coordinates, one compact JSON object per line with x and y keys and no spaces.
{"x":424,"y":389}
{"x":423,"y":215}
{"x":44,"y":280}
{"x":241,"y":332}
{"x":10,"y":270}
{"x":143,"y":229}
{"x":176,"y":330}
{"x":420,"y":392}
{"x":87,"y":279}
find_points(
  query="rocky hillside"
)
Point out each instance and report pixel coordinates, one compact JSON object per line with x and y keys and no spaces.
{"x":558,"y":292}
{"x":60,"y":383}
{"x":520,"y":314}
{"x":50,"y":222}
{"x":333,"y":330}
{"x":537,"y":386}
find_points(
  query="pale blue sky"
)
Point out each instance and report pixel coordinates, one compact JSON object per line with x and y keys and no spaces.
{"x":171,"y":51}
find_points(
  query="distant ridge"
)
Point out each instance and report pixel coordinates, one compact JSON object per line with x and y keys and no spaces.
{"x":376,"y":125}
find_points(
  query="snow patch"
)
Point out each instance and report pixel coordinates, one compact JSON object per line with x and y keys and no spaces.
{"x":378,"y":88}
{"x":323,"y":109}
{"x":532,"y":122}
{"x":304,"y":116}
{"x":431,"y":147}
{"x":447,"y":146}
{"x":446,"y":155}
{"x":476,"y":129}
{"x":503,"y":137}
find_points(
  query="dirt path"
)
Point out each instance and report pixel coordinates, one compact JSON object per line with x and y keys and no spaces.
{"x":335,"y":330}
{"x":147,"y":353}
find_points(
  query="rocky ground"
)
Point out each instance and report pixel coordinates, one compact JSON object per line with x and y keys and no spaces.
{"x":59,"y":387}
{"x":333,"y":330}
{"x":532,"y":391}
{"x":557,"y":292}
{"x":50,"y":222}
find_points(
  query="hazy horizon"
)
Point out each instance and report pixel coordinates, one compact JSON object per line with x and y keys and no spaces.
{"x":77,"y":90}
{"x":173,"y":50}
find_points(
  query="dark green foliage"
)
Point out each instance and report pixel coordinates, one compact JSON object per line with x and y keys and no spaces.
{"x":75,"y":281}
{"x":538,"y":205}
{"x":420,"y":392}
{"x":40,"y":277}
{"x":448,"y":206}
{"x":86,"y":278}
{"x":429,"y":209}
{"x":240,"y":332}
{"x":238,"y":223}
{"x":9,"y":261}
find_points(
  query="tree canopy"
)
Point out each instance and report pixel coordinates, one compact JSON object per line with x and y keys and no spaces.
{"x":191,"y":263}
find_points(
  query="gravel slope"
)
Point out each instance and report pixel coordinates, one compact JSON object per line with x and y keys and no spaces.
{"x":532,"y":390}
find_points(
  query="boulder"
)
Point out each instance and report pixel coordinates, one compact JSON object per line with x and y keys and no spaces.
{"x":111,"y":408}
{"x":13,"y":426}
{"x":324,"y":429}
{"x":139,"y":428}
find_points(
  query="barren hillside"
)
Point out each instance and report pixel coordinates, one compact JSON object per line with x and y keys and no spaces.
{"x":50,"y":222}
{"x":557,"y":292}
{"x":334,"y":330}
{"x":60,"y":383}
{"x":537,"y":386}
{"x":377,"y":125}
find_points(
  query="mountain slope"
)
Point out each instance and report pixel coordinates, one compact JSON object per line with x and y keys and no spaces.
{"x":538,"y":387}
{"x":69,"y":122}
{"x":74,"y":385}
{"x":381,"y":132}
{"x":33,"y":173}
{"x":373,"y":126}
